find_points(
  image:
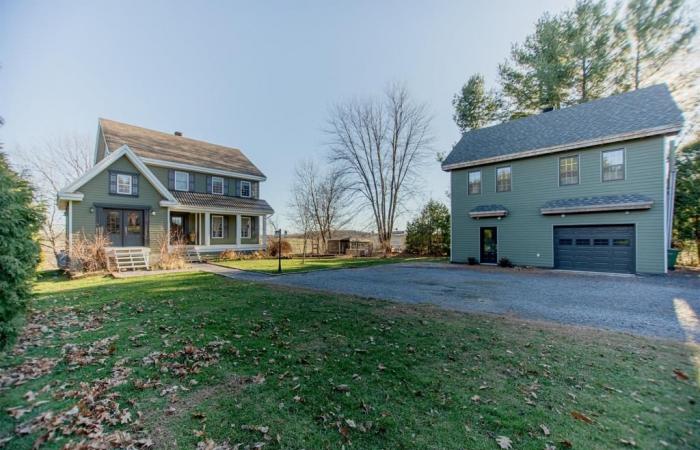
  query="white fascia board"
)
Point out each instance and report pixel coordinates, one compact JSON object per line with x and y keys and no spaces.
{"x":665,"y":130}
{"x":193,"y":168}
{"x":168,"y":203}
{"x":592,"y":209}
{"x":124,"y":150}
{"x":73,"y":196}
{"x":478,"y":214}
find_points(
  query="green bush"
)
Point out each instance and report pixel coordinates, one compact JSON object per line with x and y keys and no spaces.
{"x":20,"y":220}
{"x":429,"y":233}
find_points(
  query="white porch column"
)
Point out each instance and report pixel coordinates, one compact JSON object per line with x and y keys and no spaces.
{"x":238,"y":229}
{"x":207,"y":228}
{"x":264,"y":231}
{"x":167,"y":226}
{"x":70,"y":226}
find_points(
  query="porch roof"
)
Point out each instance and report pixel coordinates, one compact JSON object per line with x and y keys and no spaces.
{"x":201,"y":200}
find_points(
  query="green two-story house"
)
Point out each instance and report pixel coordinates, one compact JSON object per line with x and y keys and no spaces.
{"x":148,"y":188}
{"x":580,"y":188}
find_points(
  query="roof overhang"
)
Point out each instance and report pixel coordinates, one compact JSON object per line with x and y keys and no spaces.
{"x":225,"y":211}
{"x":665,"y":130}
{"x":209,"y":170}
{"x":485,"y":214}
{"x":597,"y":208}
{"x":69,"y":193}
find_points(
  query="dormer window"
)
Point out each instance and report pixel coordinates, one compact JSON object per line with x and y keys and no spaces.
{"x":182,"y":181}
{"x":217,"y":185}
{"x":245,"y":188}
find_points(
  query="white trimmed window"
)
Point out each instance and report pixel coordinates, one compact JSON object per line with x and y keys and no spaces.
{"x":568,"y":170}
{"x":182,"y":181}
{"x":217,"y":227}
{"x":503,"y":179}
{"x":246,"y":224}
{"x":474,"y":182}
{"x":124,"y":184}
{"x":245,"y":188}
{"x":217,"y":185}
{"x":613,"y":165}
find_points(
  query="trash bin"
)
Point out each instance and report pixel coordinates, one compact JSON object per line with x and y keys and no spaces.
{"x":672,"y":258}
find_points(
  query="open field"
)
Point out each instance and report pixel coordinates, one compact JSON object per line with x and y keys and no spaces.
{"x":182,"y":359}
{"x":269,"y":265}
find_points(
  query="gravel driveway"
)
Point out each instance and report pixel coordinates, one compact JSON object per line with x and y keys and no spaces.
{"x":661,"y":306}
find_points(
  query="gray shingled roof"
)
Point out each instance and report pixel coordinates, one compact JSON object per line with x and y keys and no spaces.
{"x":179,"y":149}
{"x":488,"y":208}
{"x":651,"y":110}
{"x":604,"y":202}
{"x":202,"y":200}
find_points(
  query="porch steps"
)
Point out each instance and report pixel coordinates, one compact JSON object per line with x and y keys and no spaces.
{"x":192,"y":255}
{"x":128,"y":258}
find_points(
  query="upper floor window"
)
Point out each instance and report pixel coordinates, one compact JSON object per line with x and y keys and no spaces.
{"x":568,"y":170}
{"x":613,"y":165}
{"x":474,"y":182}
{"x":217,"y":185}
{"x":182,"y":181}
{"x":245,"y":188}
{"x":123,"y":184}
{"x":503,"y":179}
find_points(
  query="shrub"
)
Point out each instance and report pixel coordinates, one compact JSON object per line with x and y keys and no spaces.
{"x":472,"y":261}
{"x":429,"y":233}
{"x":19,"y":250}
{"x":228,"y":255}
{"x":505,"y":262}
{"x":89,"y":254}
{"x":273,"y":244}
{"x":172,"y":256}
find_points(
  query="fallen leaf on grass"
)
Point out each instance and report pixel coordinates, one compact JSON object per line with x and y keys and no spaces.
{"x":582,"y":417}
{"x":504,"y":442}
{"x":680,"y":375}
{"x":629,"y":442}
{"x":544,"y":429}
{"x":342,"y":388}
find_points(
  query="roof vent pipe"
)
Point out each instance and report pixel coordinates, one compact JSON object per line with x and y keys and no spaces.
{"x":178,"y":133}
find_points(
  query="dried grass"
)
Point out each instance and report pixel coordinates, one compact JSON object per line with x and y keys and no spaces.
{"x":89,"y":254}
{"x":228,"y":255}
{"x":172,"y":256}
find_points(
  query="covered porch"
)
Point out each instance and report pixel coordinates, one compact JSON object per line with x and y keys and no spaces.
{"x":217,"y":230}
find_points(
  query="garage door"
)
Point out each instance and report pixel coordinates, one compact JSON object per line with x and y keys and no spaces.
{"x":596,"y":248}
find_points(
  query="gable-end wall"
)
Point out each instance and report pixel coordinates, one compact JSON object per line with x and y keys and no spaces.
{"x":526,"y":237}
{"x":96,"y":191}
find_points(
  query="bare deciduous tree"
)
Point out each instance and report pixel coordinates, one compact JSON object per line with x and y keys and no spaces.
{"x":380,"y":145}
{"x":301,"y":212}
{"x":325,"y":194}
{"x":52,"y":166}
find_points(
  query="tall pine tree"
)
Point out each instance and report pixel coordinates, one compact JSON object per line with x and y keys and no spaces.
{"x":475,"y":106}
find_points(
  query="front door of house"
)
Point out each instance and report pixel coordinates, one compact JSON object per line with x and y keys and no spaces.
{"x":123,"y":227}
{"x":489,"y":245}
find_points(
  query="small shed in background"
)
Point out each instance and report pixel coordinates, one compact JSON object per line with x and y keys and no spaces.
{"x":349,"y":246}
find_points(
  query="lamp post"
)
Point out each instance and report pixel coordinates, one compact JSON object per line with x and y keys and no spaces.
{"x":279,"y":249}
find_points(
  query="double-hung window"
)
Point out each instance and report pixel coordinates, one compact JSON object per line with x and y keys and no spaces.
{"x":613,"y":165}
{"x":182,"y":181}
{"x":124,"y":184}
{"x":217,"y":185}
{"x":217,"y":227}
{"x":503,"y":179}
{"x":568,"y":170}
{"x":245,"y":227}
{"x":474,"y":182}
{"x":245,"y":188}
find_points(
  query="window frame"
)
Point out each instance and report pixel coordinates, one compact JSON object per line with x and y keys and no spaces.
{"x":131,"y":184}
{"x":250,"y":189}
{"x":213,"y":218}
{"x":187,"y":182}
{"x":578,"y":169}
{"x":469,"y":182}
{"x":213,"y":191}
{"x":246,"y":231}
{"x":510,"y":183}
{"x":624,"y":164}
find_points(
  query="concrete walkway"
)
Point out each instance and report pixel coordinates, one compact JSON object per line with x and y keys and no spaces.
{"x":660,"y":306}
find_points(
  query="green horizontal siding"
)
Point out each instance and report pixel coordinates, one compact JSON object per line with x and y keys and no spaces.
{"x":96,"y":191}
{"x":526,"y":237}
{"x":200,"y":181}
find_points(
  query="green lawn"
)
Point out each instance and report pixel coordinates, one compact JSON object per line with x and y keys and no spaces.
{"x":187,"y":358}
{"x":298,"y":265}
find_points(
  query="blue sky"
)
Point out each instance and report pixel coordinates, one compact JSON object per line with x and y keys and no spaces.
{"x":259,"y":76}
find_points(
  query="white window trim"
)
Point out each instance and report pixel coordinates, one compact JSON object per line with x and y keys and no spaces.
{"x":222,"y":185}
{"x":250,"y":189}
{"x":131,"y":184}
{"x":481,"y":184}
{"x":213,"y":228}
{"x":246,"y":229}
{"x":578,"y":169}
{"x":187,"y":174}
{"x":511,"y":179}
{"x":624,"y":164}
